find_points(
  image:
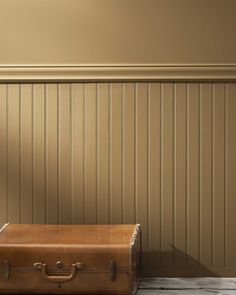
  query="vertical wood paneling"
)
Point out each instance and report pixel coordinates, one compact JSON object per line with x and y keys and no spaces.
{"x":51,"y":138}
{"x":154,"y":174}
{"x":161,"y":154}
{"x":206,"y":176}
{"x":128,"y":153}
{"x":194,"y":179}
{"x":115,"y":153}
{"x":64,"y":149}
{"x":180,"y":173}
{"x":231,"y":172}
{"x":141,"y":153}
{"x":3,"y":155}
{"x":26,"y":179}
{"x":103,"y":153}
{"x":90,"y":206}
{"x":39,"y":195}
{"x":13,"y":153}
{"x":218,"y":175}
{"x":167,"y":198}
{"x":77,"y":153}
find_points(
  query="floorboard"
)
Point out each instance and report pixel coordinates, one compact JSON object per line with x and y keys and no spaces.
{"x":187,"y":292}
{"x":187,"y":286}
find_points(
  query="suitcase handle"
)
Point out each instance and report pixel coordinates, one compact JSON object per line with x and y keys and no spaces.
{"x":56,"y":278}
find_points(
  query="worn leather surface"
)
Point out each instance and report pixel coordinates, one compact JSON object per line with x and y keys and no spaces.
{"x":29,"y":234}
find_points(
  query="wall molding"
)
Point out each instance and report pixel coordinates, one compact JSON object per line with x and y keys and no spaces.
{"x":129,"y":72}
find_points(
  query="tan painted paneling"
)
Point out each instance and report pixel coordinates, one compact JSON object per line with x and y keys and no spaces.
{"x":39,"y":155}
{"x":115,"y":153}
{"x":206,"y":174}
{"x":162,"y":154}
{"x":111,"y":31}
{"x":154,"y":172}
{"x":128,"y":152}
{"x":77,"y":181}
{"x":64,"y":150}
{"x":52,"y":156}
{"x":167,"y":167}
{"x":26,"y":153}
{"x":141,"y":160}
{"x":90,"y":154}
{"x":103,"y":154}
{"x":181,"y":171}
{"x":3,"y":154}
{"x":13,"y":154}
{"x":193,"y":193}
{"x":230,"y":176}
{"x":218,"y":175}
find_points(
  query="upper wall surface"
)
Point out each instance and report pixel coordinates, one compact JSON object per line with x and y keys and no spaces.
{"x":117,"y":32}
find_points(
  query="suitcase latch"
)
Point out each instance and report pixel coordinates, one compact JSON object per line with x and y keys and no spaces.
{"x":112,"y":270}
{"x":5,"y":270}
{"x":59,"y":264}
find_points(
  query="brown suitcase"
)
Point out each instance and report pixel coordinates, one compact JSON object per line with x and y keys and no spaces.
{"x":83,"y":259}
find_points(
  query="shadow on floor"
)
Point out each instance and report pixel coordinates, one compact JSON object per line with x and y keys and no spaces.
{"x":175,"y":263}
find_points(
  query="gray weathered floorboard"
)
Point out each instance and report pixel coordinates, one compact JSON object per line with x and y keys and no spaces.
{"x":187,"y":292}
{"x":187,"y":286}
{"x":186,"y":283}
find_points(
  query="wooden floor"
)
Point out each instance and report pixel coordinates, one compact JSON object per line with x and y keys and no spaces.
{"x":188,"y":286}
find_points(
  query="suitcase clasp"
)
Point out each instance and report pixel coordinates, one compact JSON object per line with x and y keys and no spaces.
{"x":112,"y":270}
{"x":38,"y":265}
{"x":80,"y":265}
{"x":5,"y":270}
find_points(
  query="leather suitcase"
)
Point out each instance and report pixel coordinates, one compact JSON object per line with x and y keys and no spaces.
{"x":63,"y":259}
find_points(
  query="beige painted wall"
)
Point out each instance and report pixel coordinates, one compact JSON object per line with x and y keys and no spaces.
{"x":160,"y":154}
{"x":117,"y":31}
